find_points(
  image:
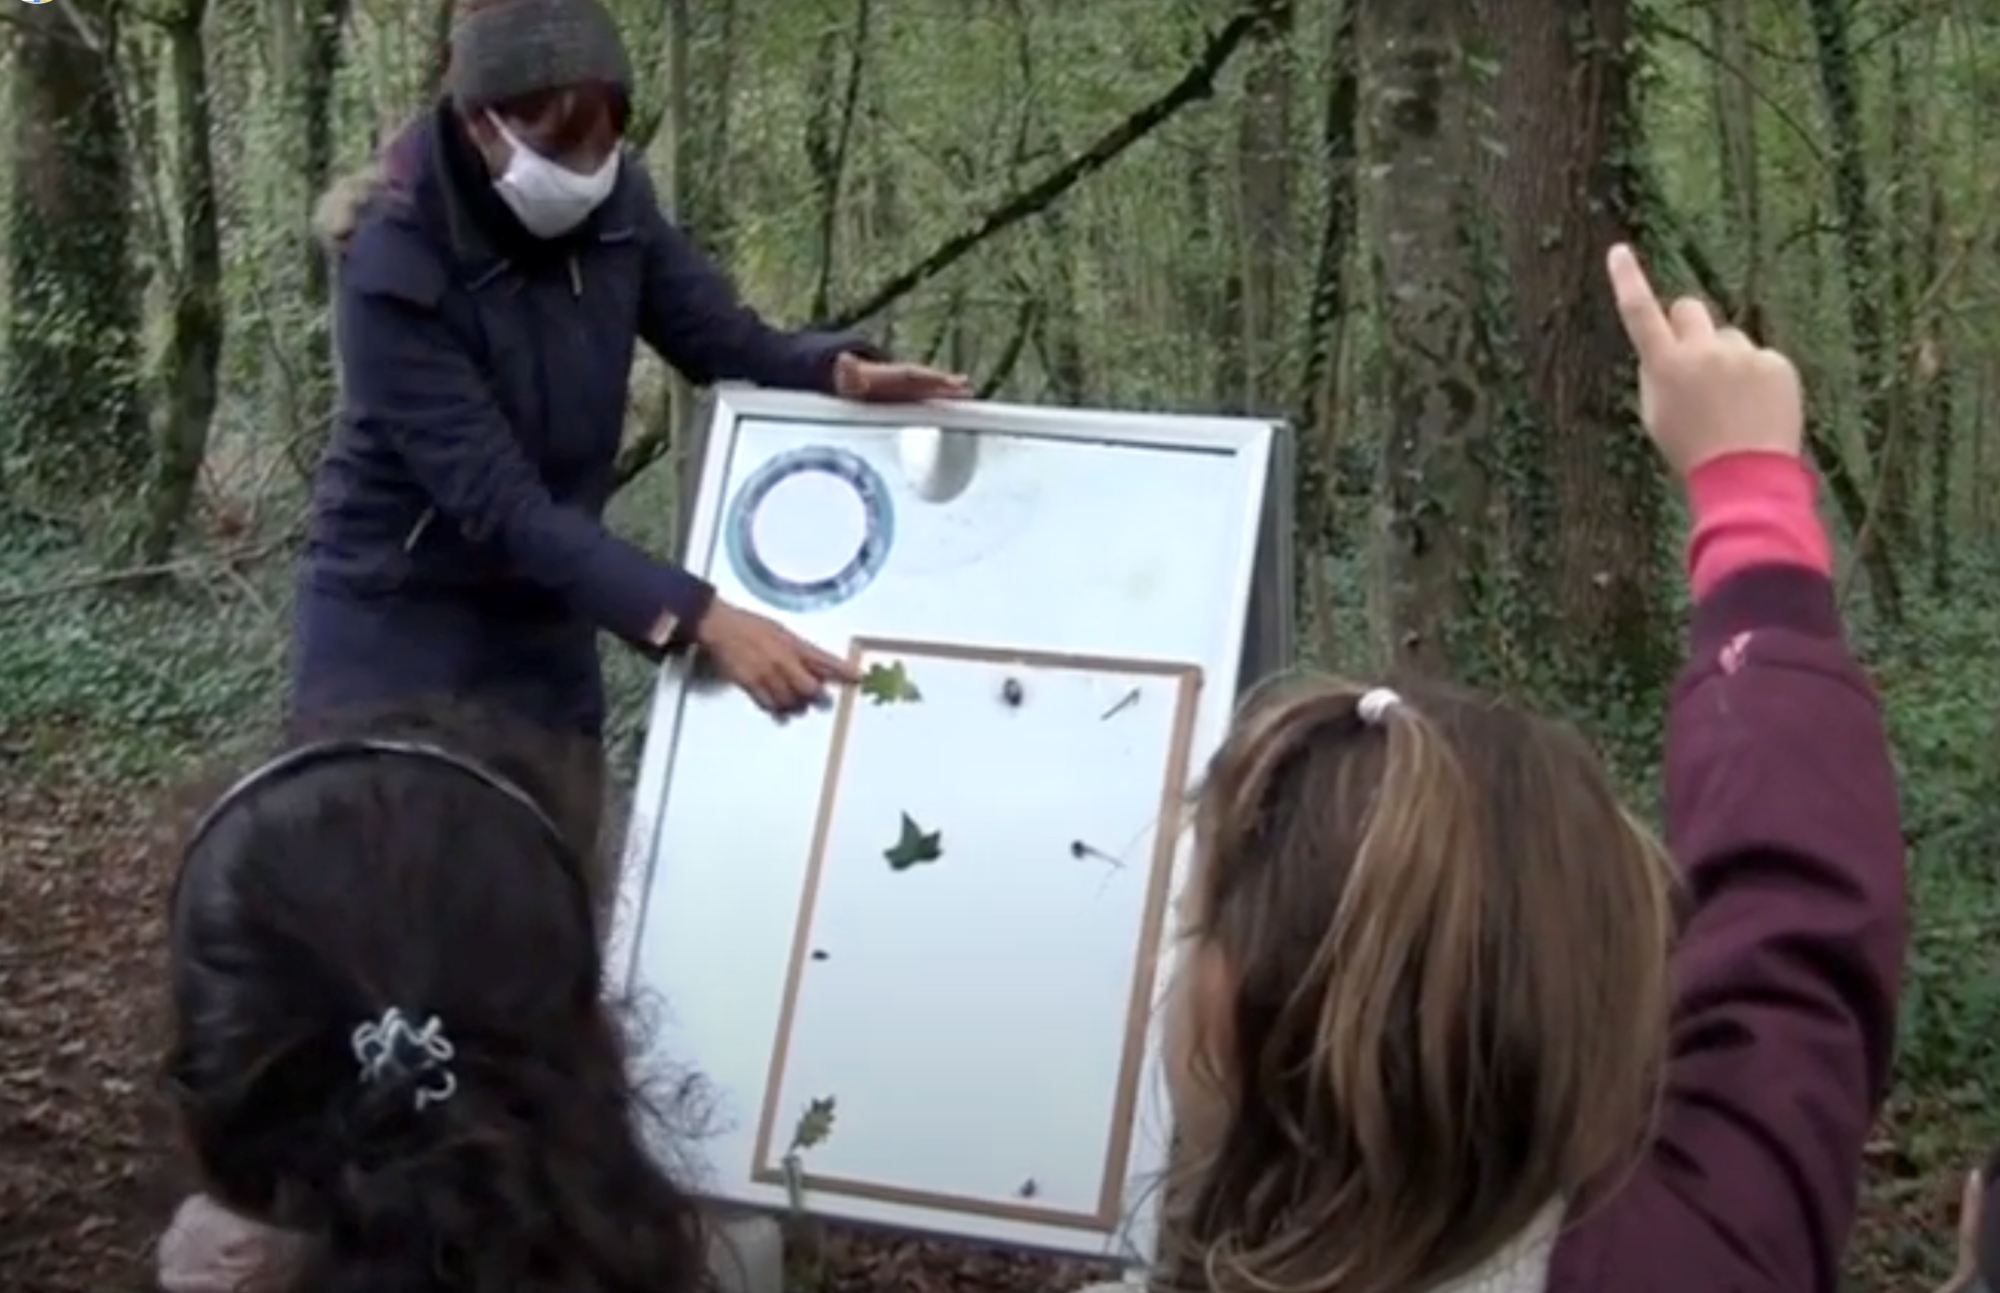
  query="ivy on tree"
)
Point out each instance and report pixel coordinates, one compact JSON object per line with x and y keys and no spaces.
{"x":889,"y":684}
{"x":914,"y":846}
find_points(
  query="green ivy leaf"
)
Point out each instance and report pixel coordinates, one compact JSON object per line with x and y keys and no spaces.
{"x":914,"y":846}
{"x":889,"y":684}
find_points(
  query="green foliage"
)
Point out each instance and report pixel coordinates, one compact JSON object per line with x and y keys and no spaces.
{"x":1942,"y":676}
{"x":156,"y":683}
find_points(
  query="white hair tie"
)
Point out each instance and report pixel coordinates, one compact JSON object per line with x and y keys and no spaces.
{"x":1375,"y":704}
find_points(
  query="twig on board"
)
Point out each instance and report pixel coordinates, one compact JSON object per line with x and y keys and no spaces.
{"x":1124,"y":703}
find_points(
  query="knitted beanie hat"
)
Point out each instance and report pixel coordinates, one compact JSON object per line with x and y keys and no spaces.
{"x":502,"y":51}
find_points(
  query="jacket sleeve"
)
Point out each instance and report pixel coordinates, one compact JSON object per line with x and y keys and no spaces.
{"x":690,"y":314}
{"x":1781,"y":806}
{"x":409,"y":379}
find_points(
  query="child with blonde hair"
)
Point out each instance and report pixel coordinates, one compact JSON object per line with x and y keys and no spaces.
{"x":1449,"y":1018}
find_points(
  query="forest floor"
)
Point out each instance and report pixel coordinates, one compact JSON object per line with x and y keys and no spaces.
{"x":109,"y":700}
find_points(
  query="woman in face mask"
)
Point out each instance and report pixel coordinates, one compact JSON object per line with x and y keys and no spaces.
{"x":496,"y":266}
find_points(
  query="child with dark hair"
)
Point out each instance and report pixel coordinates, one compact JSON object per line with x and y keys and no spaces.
{"x":1447,"y":1020}
{"x":392,"y":1062}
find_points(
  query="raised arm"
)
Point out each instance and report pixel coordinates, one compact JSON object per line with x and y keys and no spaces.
{"x":1781,"y":807}
{"x":408,"y":377}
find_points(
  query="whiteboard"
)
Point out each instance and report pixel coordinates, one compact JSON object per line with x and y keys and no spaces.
{"x":944,"y":905}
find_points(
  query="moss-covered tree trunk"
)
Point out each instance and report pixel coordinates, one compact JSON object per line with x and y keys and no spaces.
{"x":195,"y":331}
{"x":1265,"y":214}
{"x":74,"y":423}
{"x":1419,"y":118}
{"x":1566,"y":188}
{"x":1888,"y":524}
{"x":317,"y":57}
{"x":1324,"y":399}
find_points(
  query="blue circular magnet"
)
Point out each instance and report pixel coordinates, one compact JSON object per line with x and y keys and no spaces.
{"x":856,"y":573}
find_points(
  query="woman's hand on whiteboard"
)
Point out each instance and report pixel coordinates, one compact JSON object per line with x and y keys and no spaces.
{"x":774,"y":666}
{"x":855,"y":378}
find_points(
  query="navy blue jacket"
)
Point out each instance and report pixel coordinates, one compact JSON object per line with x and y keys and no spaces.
{"x":456,"y":547}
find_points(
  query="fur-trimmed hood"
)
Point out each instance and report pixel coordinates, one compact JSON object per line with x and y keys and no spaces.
{"x":338,"y":211}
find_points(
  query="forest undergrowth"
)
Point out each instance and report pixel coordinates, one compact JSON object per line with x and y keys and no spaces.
{"x":115,"y":697}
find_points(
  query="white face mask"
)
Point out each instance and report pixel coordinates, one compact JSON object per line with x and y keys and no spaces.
{"x":548,"y":199}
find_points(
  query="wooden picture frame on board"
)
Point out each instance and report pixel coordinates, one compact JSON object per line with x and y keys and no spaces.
{"x":766,"y":1165}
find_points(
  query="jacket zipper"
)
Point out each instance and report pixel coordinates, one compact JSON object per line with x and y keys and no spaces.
{"x":430,"y":513}
{"x":417,"y":530}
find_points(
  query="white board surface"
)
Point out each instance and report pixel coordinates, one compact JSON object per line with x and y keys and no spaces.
{"x":1068,"y":593}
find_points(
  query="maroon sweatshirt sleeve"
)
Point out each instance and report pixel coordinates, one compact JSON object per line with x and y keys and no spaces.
{"x":1781,"y":808}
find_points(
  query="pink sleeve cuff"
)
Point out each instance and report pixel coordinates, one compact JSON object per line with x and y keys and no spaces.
{"x":1753,"y":509}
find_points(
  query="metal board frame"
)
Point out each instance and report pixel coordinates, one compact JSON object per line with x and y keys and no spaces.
{"x":1262,"y":598}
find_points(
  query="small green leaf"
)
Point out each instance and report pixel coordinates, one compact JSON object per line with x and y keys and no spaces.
{"x":814,"y":1125}
{"x":889,"y":684}
{"x":914,"y":845}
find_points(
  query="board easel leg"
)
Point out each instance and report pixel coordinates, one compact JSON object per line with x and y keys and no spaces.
{"x":746,"y":1253}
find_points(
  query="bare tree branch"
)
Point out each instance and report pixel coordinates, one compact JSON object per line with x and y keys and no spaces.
{"x":828,"y":147}
{"x":1026,"y":320}
{"x":234,"y":559}
{"x":1196,"y":85}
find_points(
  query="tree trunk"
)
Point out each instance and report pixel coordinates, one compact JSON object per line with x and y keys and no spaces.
{"x":1840,"y":95}
{"x":836,"y":90}
{"x":711,"y":41}
{"x":1565,"y":190}
{"x":1201,"y":291}
{"x":73,"y":391}
{"x":319,"y":67}
{"x":1264,"y":212}
{"x":1320,"y":406}
{"x":1906,"y":274}
{"x":1055,"y":333}
{"x":195,"y":330}
{"x":1419,"y":119}
{"x":683,"y":407}
{"x":1735,"y":95}
{"x":314,"y":64}
{"x":1937,"y":388}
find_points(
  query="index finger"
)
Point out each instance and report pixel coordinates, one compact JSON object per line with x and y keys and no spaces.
{"x":831,"y":667}
{"x":1646,"y":324}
